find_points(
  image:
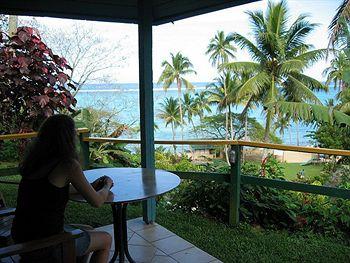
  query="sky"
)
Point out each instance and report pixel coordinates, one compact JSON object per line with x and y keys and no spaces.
{"x":191,"y":37}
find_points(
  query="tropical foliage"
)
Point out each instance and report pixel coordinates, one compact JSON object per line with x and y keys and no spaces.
{"x":33,"y":81}
{"x":268,"y":207}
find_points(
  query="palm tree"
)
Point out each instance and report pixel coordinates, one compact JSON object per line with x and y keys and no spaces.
{"x":220,"y":49}
{"x":222,"y":94}
{"x":218,"y":96}
{"x":339,"y":21}
{"x":335,"y":72}
{"x":202,"y":104}
{"x":282,"y":124}
{"x":174,"y":71}
{"x":190,"y":108}
{"x":169,"y":113}
{"x":280,"y":55}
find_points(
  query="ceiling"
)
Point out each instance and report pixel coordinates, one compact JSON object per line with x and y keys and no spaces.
{"x":125,"y":11}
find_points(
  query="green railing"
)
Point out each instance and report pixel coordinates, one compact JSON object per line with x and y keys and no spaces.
{"x":235,"y":179}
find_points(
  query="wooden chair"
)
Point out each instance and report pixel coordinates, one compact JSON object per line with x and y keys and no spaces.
{"x":6,"y":217}
{"x":63,"y":244}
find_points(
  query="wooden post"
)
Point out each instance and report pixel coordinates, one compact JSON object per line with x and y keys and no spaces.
{"x":85,"y":150}
{"x":146,"y":97}
{"x":235,"y":184}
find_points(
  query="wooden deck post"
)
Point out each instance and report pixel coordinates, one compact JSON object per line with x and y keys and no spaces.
{"x":235,"y":184}
{"x":85,"y":150}
{"x":146,"y":97}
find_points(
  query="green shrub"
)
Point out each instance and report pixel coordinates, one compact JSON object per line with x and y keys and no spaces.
{"x":9,"y":151}
{"x":267,"y":207}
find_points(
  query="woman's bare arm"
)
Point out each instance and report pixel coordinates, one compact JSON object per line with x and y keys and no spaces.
{"x":80,"y":185}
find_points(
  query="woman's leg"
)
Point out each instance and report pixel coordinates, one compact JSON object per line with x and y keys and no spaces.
{"x":100,"y":244}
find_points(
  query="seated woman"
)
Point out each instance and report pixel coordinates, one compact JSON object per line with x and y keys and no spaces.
{"x":50,"y":172}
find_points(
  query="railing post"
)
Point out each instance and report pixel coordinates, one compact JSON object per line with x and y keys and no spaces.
{"x":235,"y":184}
{"x":85,"y":151}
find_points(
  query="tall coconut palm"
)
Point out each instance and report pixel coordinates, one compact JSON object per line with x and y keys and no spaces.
{"x":221,"y":93}
{"x":220,"y":49}
{"x":174,"y":71}
{"x":169,"y":112}
{"x":280,"y":56}
{"x":217,"y":91}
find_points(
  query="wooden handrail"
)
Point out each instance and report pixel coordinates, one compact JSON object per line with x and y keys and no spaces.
{"x":193,"y":142}
{"x":28,"y":135}
{"x":226,"y":142}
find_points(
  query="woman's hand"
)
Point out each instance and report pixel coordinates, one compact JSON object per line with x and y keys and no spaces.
{"x":108,"y":181}
{"x":98,"y":183}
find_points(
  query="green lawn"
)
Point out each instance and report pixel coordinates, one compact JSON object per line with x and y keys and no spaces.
{"x":240,"y":244}
{"x":291,"y":170}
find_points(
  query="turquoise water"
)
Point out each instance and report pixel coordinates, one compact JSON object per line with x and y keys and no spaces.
{"x":124,"y":98}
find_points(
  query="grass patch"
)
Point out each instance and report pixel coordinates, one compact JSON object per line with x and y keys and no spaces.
{"x":248,"y":244}
{"x":241,"y":244}
{"x":291,"y":170}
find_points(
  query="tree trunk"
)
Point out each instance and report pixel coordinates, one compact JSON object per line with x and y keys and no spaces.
{"x":231,"y":122}
{"x":246,"y":127}
{"x":194,"y":128}
{"x":290,"y":134}
{"x":178,"y":81}
{"x":297,"y":130}
{"x":173,"y":131}
{"x":267,"y":126}
{"x":226,"y":135}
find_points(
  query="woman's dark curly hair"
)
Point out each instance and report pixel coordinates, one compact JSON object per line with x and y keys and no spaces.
{"x":56,"y":142}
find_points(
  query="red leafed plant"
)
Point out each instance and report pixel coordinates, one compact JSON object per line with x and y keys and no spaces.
{"x":34,"y":83}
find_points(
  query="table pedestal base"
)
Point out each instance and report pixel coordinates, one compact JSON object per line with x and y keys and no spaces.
{"x":120,"y":234}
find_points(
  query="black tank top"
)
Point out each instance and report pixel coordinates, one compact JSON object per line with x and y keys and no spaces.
{"x":40,"y":209}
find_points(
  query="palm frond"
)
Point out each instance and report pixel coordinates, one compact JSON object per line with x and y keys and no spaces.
{"x":291,"y":65}
{"x":310,"y":82}
{"x":245,"y":43}
{"x":301,"y":90}
{"x":188,"y":85}
{"x":299,"y":30}
{"x":337,"y":24}
{"x":311,"y":112}
{"x":254,"y":85}
{"x":246,"y":67}
{"x":313,"y":56}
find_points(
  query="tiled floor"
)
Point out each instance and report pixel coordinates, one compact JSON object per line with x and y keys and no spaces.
{"x":155,"y":244}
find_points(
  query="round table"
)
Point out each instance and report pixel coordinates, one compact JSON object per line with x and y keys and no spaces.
{"x":130,"y":185}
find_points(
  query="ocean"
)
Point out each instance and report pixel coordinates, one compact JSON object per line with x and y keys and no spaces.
{"x":124,"y":99}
